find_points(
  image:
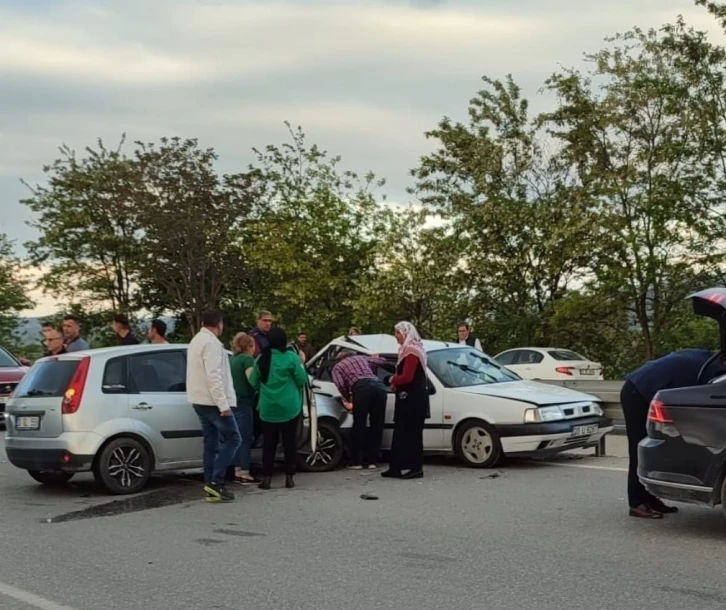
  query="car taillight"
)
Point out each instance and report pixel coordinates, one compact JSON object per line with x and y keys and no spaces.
{"x":658,"y":413}
{"x":565,"y":370}
{"x":74,"y":392}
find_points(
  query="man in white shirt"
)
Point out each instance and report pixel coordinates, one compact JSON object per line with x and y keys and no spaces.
{"x":211,"y":391}
{"x":466,"y":338}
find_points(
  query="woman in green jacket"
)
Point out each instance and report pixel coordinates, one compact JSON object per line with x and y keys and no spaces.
{"x":280,"y":377}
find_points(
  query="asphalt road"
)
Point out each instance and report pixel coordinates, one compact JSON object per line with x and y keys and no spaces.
{"x":538,"y":536}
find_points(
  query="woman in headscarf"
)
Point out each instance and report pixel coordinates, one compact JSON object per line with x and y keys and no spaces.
{"x":279,"y":377}
{"x":412,"y":405}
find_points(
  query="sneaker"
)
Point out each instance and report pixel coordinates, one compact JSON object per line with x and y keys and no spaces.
{"x":372,"y":466}
{"x":354,"y":467}
{"x":218,"y":493}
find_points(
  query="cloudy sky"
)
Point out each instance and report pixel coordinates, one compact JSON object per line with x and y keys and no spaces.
{"x":364,"y":79}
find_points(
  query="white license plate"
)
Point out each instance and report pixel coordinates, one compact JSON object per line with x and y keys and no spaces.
{"x":585,"y":430}
{"x":587,"y":372}
{"x":27,"y":423}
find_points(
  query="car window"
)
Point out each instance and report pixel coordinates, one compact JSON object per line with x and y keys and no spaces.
{"x":565,"y":354}
{"x":508,"y":358}
{"x":114,"y":376}
{"x":47,"y":379}
{"x":322,"y":367}
{"x":158,"y":372}
{"x":6,"y":360}
{"x":458,"y":368}
{"x":528,"y":356}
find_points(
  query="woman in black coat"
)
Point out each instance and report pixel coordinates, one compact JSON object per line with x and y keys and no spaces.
{"x":412,"y":405}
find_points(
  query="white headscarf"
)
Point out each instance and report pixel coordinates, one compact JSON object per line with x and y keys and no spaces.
{"x":412,"y":344}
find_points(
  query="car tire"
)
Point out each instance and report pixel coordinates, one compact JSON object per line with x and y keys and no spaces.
{"x":330,"y":450}
{"x":52,"y":478}
{"x":123,"y":466}
{"x":477,"y":444}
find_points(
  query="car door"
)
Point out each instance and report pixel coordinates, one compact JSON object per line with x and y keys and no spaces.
{"x":157,"y":397}
{"x":526,"y":364}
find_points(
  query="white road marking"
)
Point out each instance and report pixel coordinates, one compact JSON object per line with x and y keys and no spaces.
{"x":588,"y":466}
{"x":31,"y":598}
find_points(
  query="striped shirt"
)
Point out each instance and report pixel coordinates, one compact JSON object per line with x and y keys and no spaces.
{"x":353,"y":369}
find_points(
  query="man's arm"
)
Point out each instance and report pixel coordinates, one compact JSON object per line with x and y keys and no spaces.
{"x":213,"y":359}
{"x":341,"y":382}
{"x":477,"y":345}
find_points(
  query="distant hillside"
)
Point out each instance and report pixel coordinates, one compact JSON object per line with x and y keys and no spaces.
{"x":28,"y":329}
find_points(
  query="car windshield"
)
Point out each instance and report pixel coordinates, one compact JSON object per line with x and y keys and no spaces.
{"x":565,"y":354}
{"x":6,"y":360}
{"x":460,"y":368}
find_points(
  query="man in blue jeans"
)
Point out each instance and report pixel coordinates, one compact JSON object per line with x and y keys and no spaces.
{"x":211,"y":391}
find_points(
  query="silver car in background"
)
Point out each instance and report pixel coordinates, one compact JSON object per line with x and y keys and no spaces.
{"x":119,"y":412}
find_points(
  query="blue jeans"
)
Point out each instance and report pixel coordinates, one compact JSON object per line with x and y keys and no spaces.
{"x":221,"y":440}
{"x":243,"y":413}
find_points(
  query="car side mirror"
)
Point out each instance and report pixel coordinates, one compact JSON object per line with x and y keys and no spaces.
{"x":26,"y":362}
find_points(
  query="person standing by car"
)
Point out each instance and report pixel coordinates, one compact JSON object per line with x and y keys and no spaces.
{"x":54,"y":343}
{"x":122,"y":327}
{"x":211,"y":391}
{"x":364,"y":395}
{"x":280,"y":377}
{"x":241,"y":365}
{"x":259,"y":333}
{"x":157,"y":332}
{"x":412,"y":405}
{"x":303,"y":347}
{"x":72,"y":335}
{"x":676,"y":370}
{"x":464,"y":337}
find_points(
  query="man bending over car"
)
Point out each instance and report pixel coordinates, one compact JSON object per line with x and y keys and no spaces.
{"x":676,"y":370}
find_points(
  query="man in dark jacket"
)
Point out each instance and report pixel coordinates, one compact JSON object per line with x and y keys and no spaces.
{"x":676,"y":370}
{"x":259,"y":332}
{"x":122,"y":327}
{"x":464,"y":337}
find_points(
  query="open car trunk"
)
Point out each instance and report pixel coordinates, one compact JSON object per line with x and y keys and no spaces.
{"x":711,"y":303}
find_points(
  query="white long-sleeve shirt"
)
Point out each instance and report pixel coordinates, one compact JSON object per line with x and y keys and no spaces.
{"x":209,"y":378}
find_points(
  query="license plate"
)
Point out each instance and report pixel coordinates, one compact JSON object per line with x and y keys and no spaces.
{"x":27,"y":423}
{"x":587,"y":372}
{"x":585,"y":430}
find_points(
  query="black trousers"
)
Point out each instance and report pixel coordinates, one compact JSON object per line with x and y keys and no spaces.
{"x":635,"y":410}
{"x":272,"y":433}
{"x":369,"y":418}
{"x":407,"y":448}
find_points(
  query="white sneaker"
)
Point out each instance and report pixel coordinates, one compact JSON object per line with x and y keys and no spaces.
{"x":354,"y":467}
{"x":372,"y":466}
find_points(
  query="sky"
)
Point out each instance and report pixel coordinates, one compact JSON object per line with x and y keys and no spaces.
{"x":364,"y":79}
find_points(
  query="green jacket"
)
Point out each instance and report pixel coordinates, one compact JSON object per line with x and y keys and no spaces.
{"x":281,"y":397}
{"x":239,"y":365}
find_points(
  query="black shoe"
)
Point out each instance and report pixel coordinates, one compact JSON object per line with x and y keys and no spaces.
{"x":644,"y":512}
{"x":391,"y":474}
{"x":289,"y":482}
{"x":413,"y":474}
{"x":218,"y":493}
{"x":658,"y":506}
{"x":266,"y":483}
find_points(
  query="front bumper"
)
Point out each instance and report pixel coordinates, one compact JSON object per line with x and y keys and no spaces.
{"x":549,"y":438}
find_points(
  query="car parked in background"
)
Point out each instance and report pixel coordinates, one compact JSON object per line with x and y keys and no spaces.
{"x":120,"y":412}
{"x":480,"y":411}
{"x":683,"y":458}
{"x":550,"y":363}
{"x":12,"y":371}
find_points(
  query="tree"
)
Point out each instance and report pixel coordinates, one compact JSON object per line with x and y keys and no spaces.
{"x":13,"y":290}
{"x":192,"y":219}
{"x":416,"y":277}
{"x":87,"y":218}
{"x":310,"y":237}
{"x":524,"y":231}
{"x":636,"y":128}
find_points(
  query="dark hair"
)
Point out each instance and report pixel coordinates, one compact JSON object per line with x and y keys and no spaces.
{"x":47,"y":324}
{"x":464,"y":324}
{"x":70,"y":317}
{"x":159,"y":326}
{"x":277,"y":340}
{"x":210,"y":319}
{"x":122,"y":319}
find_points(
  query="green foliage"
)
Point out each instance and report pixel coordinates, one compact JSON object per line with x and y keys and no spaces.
{"x":13,"y":290}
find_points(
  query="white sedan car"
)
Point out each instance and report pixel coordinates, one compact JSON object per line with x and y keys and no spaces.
{"x":550,"y":363}
{"x":480,"y":411}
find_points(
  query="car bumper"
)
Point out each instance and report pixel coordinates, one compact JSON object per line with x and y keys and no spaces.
{"x":70,"y":452}
{"x":549,"y":438}
{"x":656,"y":462}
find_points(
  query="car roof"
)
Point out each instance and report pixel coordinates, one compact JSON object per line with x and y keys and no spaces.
{"x":120,"y":350}
{"x":387,"y":344}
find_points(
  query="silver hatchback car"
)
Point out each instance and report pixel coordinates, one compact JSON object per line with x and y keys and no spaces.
{"x":119,"y":412}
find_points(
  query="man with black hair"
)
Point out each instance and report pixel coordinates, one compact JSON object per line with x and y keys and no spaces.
{"x":122,"y":328}
{"x":157,"y":332}
{"x":210,"y":389}
{"x":72,"y":334}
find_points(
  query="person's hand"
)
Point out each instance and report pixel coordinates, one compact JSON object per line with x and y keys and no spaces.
{"x":348,"y":404}
{"x":226,"y":413}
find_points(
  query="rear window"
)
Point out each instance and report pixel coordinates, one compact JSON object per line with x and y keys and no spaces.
{"x":565,"y":354}
{"x":6,"y":360}
{"x":47,"y":379}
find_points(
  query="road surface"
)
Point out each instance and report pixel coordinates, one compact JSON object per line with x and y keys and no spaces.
{"x":538,"y":536}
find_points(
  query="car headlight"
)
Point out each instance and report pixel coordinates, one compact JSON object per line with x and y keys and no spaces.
{"x":543,"y":414}
{"x":597,"y":409}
